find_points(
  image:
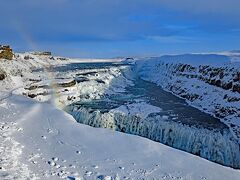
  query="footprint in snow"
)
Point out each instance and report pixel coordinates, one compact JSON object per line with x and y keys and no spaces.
{"x":74,"y":178}
{"x":95,"y":166}
{"x":72,"y":166}
{"x":78,"y":152}
{"x":63,"y":174}
{"x":55,"y":159}
{"x":50,"y":131}
{"x":53,"y":173}
{"x":57,"y":166}
{"x":51,"y":163}
{"x":88,"y":173}
{"x":102,"y":177}
{"x":34,"y":162}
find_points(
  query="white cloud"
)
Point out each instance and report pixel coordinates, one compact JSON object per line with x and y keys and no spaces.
{"x":218,"y":7}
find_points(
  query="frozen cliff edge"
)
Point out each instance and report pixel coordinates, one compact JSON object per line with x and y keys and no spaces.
{"x":54,"y":146}
{"x":209,"y":82}
{"x":216,"y":146}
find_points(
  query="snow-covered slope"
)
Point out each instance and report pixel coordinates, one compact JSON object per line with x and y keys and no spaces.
{"x":19,"y":70}
{"x":42,"y":141}
{"x":209,"y":82}
{"x":39,"y":140}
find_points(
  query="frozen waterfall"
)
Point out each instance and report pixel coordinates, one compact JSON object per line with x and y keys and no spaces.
{"x":217,"y":146}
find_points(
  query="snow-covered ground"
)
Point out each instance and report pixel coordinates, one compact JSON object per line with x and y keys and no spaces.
{"x":38,"y":140}
{"x":209,"y":82}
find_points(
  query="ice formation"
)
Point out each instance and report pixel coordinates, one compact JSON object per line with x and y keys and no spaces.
{"x":217,"y":146}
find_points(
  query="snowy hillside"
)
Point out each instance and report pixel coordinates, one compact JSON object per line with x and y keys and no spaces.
{"x":39,"y":140}
{"x":209,"y":82}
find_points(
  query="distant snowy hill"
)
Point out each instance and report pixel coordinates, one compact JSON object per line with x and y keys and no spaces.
{"x":197,"y":59}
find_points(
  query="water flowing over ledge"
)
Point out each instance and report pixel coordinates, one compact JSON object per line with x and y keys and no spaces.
{"x":103,"y":95}
{"x":116,"y":85}
{"x":188,"y":129}
{"x":216,"y":146}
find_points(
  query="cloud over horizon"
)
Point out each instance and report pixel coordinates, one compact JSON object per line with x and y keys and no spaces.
{"x":108,"y":28}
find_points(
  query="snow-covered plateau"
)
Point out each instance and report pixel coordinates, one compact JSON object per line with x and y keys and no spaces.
{"x":209,"y":82}
{"x":166,"y":99}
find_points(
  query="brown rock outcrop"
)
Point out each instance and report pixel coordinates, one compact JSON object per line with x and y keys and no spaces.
{"x":6,"y":52}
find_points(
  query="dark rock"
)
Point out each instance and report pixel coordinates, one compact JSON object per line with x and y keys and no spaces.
{"x":62,"y":58}
{"x":6,"y":52}
{"x":227,"y":86}
{"x":233,"y":99}
{"x":67,"y":84}
{"x":236,"y":88}
{"x":81,"y":79}
{"x":182,"y":68}
{"x":37,"y":87}
{"x":32,"y":95}
{"x":87,"y":73}
{"x":28,"y":57}
{"x":100,"y":81}
{"x":237,"y":77}
{"x":221,"y":75}
{"x":225,"y":96}
{"x":218,"y":83}
{"x":38,"y":94}
{"x":2,"y":77}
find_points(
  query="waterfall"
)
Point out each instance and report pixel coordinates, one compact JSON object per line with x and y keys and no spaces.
{"x":214,"y":145}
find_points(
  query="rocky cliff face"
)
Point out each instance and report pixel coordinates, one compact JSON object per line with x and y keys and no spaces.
{"x":6,"y":52}
{"x":226,"y":78}
{"x":213,"y":89}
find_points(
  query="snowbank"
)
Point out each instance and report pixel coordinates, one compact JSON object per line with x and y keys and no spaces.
{"x":53,"y":146}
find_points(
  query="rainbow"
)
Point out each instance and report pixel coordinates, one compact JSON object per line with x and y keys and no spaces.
{"x":55,"y":96}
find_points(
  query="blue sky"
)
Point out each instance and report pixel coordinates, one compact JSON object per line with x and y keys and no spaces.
{"x":110,"y":28}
